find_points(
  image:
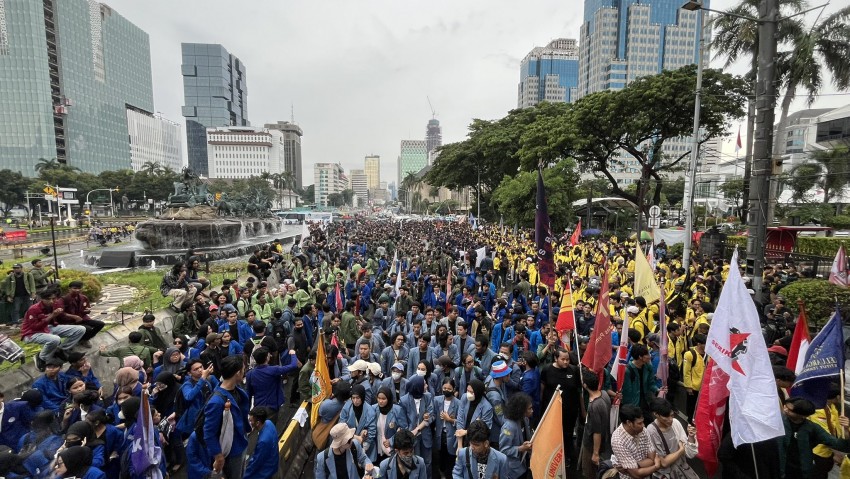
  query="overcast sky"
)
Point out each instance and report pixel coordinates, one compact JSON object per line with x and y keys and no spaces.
{"x":358,"y":72}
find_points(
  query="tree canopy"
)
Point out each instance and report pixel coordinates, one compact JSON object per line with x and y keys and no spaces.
{"x":515,"y":198}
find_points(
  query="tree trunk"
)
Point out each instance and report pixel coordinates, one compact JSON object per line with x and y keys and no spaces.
{"x":748,"y":160}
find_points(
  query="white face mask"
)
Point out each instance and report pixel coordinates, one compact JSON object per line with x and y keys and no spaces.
{"x":470,"y":396}
{"x":421,"y":373}
{"x":396,"y":376}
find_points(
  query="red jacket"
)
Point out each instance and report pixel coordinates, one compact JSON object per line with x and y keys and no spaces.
{"x":36,"y":320}
{"x":72,"y":305}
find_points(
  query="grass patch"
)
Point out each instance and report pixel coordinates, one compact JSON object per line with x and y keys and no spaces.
{"x":146,"y":283}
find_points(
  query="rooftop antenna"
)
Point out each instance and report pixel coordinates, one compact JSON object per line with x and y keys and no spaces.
{"x":433,"y":113}
{"x":292,"y":111}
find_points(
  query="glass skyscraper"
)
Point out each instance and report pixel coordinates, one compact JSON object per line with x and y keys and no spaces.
{"x":413,"y":157}
{"x":215,"y":95}
{"x":69,"y":70}
{"x":549,"y":73}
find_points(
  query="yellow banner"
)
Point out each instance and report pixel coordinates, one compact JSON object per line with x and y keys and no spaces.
{"x":645,"y":284}
{"x":320,"y":383}
{"x":547,"y":461}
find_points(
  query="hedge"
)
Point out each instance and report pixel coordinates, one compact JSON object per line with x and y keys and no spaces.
{"x":819,"y":297}
{"x":820,"y":246}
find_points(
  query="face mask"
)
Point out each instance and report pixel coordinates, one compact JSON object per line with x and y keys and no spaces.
{"x":407,"y":462}
{"x":396,"y":376}
{"x":121,"y":415}
{"x":448,"y":394}
{"x":420,"y":373}
{"x":470,"y":396}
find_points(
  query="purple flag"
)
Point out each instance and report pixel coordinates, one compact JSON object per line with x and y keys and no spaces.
{"x":664,"y":359}
{"x":145,"y":454}
{"x":543,"y":236}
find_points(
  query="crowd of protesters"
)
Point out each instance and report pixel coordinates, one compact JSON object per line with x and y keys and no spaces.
{"x":441,"y":364}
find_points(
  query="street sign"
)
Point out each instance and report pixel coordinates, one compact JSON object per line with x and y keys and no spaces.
{"x":655,"y":211}
{"x":49,"y":191}
{"x":49,"y":198}
{"x":654,"y":222}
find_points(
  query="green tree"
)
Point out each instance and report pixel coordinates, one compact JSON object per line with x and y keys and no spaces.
{"x":13,"y":193}
{"x":732,"y":190}
{"x":515,"y":198}
{"x":308,"y":194}
{"x":802,"y":179}
{"x":335,"y":199}
{"x":348,"y":197}
{"x":833,"y":171}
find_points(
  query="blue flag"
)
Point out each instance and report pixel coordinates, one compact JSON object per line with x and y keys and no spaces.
{"x":824,"y":362}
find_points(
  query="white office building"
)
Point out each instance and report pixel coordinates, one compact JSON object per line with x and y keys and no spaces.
{"x":328,"y":178}
{"x":154,"y":139}
{"x":244,"y":151}
{"x":359,"y":183}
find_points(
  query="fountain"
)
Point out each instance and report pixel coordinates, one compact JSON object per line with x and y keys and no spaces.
{"x":218,"y":226}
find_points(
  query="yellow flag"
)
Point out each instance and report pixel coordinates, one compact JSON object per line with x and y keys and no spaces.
{"x":320,"y":383}
{"x":645,"y":284}
{"x":547,"y":461}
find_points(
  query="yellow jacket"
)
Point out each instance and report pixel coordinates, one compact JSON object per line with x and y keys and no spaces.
{"x":693,"y":375}
{"x":831,"y":426}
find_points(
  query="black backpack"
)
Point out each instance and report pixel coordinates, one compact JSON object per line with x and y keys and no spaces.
{"x":180,"y":404}
{"x":199,"y":422}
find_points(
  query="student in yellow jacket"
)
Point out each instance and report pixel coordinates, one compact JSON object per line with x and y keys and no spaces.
{"x":693,"y":368}
{"x":827,"y":418}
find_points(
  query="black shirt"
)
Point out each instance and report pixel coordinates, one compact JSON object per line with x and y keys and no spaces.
{"x":340,"y":463}
{"x":568,"y":378}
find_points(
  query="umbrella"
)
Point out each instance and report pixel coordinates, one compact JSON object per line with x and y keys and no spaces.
{"x":591,"y":232}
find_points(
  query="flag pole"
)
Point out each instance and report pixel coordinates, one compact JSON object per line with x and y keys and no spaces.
{"x":551,"y":401}
{"x":755,"y":463}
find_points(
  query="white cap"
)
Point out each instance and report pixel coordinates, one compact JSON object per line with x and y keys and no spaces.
{"x":359,"y":365}
{"x":633,"y":310}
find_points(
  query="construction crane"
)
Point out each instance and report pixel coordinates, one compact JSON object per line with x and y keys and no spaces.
{"x":433,"y":113}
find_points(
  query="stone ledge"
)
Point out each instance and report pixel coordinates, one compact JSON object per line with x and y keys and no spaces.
{"x":14,"y":382}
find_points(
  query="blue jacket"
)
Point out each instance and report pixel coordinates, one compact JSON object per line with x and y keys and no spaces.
{"x":197,"y":457}
{"x":452,"y":352}
{"x":89,"y":378}
{"x":368,"y":422}
{"x":326,"y":469}
{"x":17,"y":417}
{"x":451,"y":440}
{"x":388,"y":383}
{"x":497,"y":465}
{"x":389,"y":468}
{"x":388,"y":358}
{"x":263,"y":464}
{"x":483,"y":411}
{"x":46,"y":450}
{"x":415,"y":356}
{"x":245,"y":331}
{"x":53,"y":392}
{"x":265,"y":386}
{"x":94,"y":473}
{"x":414,"y":416}
{"x":500,"y":335}
{"x":530,"y":384}
{"x":510,"y":439}
{"x":462,"y":382}
{"x":498,"y":397}
{"x":239,"y":407}
{"x":329,"y":409}
{"x":194,"y":398}
{"x":396,"y":419}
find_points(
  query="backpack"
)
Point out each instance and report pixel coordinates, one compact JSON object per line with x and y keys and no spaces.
{"x":252,"y":363}
{"x":180,"y":404}
{"x":199,"y":422}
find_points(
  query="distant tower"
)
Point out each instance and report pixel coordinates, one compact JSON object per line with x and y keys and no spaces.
{"x":433,"y":135}
{"x":549,"y":73}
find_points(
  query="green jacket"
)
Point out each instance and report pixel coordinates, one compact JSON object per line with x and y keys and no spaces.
{"x":632,"y":384}
{"x":152,"y":337}
{"x":303,"y":299}
{"x":808,"y":436}
{"x":8,"y":284}
{"x":348,"y":329}
{"x":305,"y":389}
{"x":41,"y":277}
{"x":145,"y":353}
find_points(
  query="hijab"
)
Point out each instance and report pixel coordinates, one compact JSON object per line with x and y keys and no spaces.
{"x":360,"y":391}
{"x":137,"y":364}
{"x":478,"y":389}
{"x":167,"y":365}
{"x":130,"y":408}
{"x":77,"y":459}
{"x":388,"y":393}
{"x":165,"y":400}
{"x":82,"y":430}
{"x":126,"y":377}
{"x":416,"y":387}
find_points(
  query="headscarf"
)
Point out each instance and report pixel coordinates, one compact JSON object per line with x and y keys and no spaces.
{"x":33,"y":397}
{"x":130,"y":408}
{"x":77,"y":459}
{"x":82,"y":430}
{"x":126,"y":377}
{"x":478,"y":389}
{"x":416,"y":387}
{"x":134,"y":362}
{"x":359,"y":391}
{"x":388,"y":393}
{"x":165,"y":400}
{"x":167,"y":365}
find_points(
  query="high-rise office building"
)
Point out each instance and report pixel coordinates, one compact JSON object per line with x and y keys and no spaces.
{"x":291,"y":148}
{"x":358,"y":182}
{"x":549,"y":73}
{"x":215,"y":93}
{"x":372,"y":167}
{"x":68,"y":71}
{"x":622,"y":40}
{"x":413,"y":157}
{"x":154,"y":139}
{"x":433,"y":135}
{"x":244,"y":151}
{"x":328,"y":178}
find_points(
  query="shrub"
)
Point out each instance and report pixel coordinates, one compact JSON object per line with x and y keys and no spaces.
{"x":676,"y":250}
{"x":819,"y":246}
{"x":839,"y":222}
{"x":91,"y":284}
{"x":819,"y":296}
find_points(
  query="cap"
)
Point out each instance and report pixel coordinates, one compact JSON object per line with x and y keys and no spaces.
{"x":229,"y":307}
{"x":213,"y":336}
{"x":652,"y":338}
{"x":778,"y":350}
{"x":398,"y":366}
{"x":340,"y":435}
{"x":624,"y":295}
{"x":17,"y":265}
{"x":446,"y":361}
{"x":499,"y":369}
{"x":359,"y":365}
{"x":54,"y":361}
{"x":375,"y":369}
{"x":75,"y":356}
{"x":633,"y":310}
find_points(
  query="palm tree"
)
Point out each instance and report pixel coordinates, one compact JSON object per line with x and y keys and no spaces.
{"x":834,"y":169}
{"x":45,"y":164}
{"x":152,"y":168}
{"x":823,"y":47}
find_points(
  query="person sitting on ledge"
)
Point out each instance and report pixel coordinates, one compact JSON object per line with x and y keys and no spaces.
{"x":193,"y":267}
{"x":176,"y":284}
{"x":40,"y":327}
{"x":75,"y":310}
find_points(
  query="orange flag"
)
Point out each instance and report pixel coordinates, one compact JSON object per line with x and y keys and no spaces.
{"x":576,"y":234}
{"x":566,"y":318}
{"x":320,"y":383}
{"x":547,"y":461}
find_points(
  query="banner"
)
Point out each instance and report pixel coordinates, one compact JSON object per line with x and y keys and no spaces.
{"x":543,"y":236}
{"x":547,"y":461}
{"x":320,"y":382}
{"x":664,"y":358}
{"x":800,"y":342}
{"x":145,"y":454}
{"x":736,"y":344}
{"x":480,"y":253}
{"x":566,"y":316}
{"x":576,"y":236}
{"x":824,"y":363}
{"x":708,"y":417}
{"x":645,"y":284}
{"x":598,"y":353}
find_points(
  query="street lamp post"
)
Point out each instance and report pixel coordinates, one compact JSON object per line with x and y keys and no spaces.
{"x":110,"y":190}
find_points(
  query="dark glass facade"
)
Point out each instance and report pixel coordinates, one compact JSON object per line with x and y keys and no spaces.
{"x":215,"y":95}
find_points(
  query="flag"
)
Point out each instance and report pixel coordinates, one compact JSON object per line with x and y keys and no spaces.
{"x":547,"y":461}
{"x":543,"y":236}
{"x":566,"y":317}
{"x":576,"y":236}
{"x":736,"y":344}
{"x":708,"y":417}
{"x":645,"y":284}
{"x":145,"y":455}
{"x":480,"y":253}
{"x":800,"y":342}
{"x":338,"y":298}
{"x":394,"y":266}
{"x":598,"y":353}
{"x":618,"y":371}
{"x":824,"y":363}
{"x":838,"y":272}
{"x":320,"y":382}
{"x":663,"y":360}
{"x":650,"y":257}
{"x":738,"y":142}
{"x":473,"y":221}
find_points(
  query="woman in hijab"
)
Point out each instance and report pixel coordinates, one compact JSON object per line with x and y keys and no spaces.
{"x":129,"y":412}
{"x":358,"y":415}
{"x":114,"y":409}
{"x":77,"y":462}
{"x":81,"y":433}
{"x":12,"y":465}
{"x":127,"y":377}
{"x":136,"y":363}
{"x":113,"y":441}
{"x":473,"y":405}
{"x":389,"y":418}
{"x":41,"y":443}
{"x":163,"y":399}
{"x":418,"y":405}
{"x":172,"y":362}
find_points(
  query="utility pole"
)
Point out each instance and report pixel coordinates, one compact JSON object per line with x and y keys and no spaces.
{"x":762,"y":163}
{"x":690,"y":180}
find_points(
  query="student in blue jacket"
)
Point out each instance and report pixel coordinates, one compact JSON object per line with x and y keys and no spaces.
{"x":473,"y":406}
{"x":446,"y":406}
{"x":389,"y":419}
{"x":345,"y":452}
{"x":357,"y":414}
{"x":515,"y":437}
{"x":418,"y":405}
{"x":263,"y":463}
{"x":479,"y":450}
{"x":17,"y":416}
{"x":403,"y":463}
{"x":264,"y":382}
{"x":199,"y":385}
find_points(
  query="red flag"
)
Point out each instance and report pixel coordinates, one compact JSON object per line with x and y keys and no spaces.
{"x":618,"y":371}
{"x":708,"y":418}
{"x":838,"y":273}
{"x":664,"y":359}
{"x":598,"y":353}
{"x":566,"y":317}
{"x":338,"y":298}
{"x":800,"y":342}
{"x":576,"y":234}
{"x":738,"y":143}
